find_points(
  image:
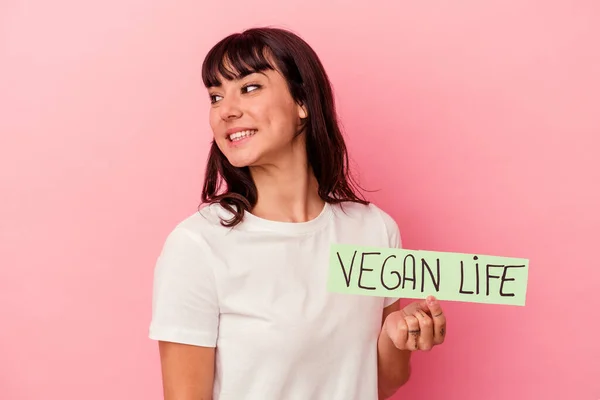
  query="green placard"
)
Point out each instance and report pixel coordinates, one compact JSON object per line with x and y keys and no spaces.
{"x":390,"y":272}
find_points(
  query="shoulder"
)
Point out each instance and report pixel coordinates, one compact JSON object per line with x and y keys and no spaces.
{"x":366,"y":211}
{"x":390,"y":223}
{"x":197,"y":230}
{"x":368,"y":215}
{"x":206,"y":220}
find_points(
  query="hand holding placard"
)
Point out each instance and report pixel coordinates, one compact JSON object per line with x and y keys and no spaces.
{"x":420,"y":325}
{"x":391,"y":272}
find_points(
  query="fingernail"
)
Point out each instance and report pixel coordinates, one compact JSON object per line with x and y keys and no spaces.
{"x":430,"y":300}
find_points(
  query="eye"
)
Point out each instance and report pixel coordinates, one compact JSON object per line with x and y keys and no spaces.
{"x":214,"y":98}
{"x":250,"y":88}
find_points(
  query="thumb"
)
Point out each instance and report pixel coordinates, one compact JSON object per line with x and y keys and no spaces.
{"x":411,"y":308}
{"x":434,"y":306}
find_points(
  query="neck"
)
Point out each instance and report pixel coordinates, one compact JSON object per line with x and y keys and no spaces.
{"x":287,"y":192}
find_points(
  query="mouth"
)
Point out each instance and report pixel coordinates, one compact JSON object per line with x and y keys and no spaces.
{"x":237,"y":136}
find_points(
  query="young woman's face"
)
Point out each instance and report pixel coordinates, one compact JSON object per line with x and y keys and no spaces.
{"x":255,"y":119}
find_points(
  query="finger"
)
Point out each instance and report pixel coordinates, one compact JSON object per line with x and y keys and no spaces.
{"x":414,"y":332}
{"x":416,"y":305}
{"x":439,"y":320}
{"x":426,"y":336}
{"x":397,"y":330}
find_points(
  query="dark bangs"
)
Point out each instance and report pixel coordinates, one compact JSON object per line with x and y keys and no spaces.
{"x":235,"y":57}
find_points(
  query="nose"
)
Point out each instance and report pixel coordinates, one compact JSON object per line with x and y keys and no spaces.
{"x":230,"y":108}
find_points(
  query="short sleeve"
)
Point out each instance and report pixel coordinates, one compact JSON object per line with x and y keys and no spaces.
{"x":394,"y":241}
{"x":185,"y":306}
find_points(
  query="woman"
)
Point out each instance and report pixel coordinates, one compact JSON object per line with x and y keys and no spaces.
{"x":240,"y":305}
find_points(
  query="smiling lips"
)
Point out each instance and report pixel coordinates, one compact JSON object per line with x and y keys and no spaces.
{"x":239,"y":135}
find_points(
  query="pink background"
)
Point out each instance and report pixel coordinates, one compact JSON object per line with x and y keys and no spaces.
{"x":477,"y":120}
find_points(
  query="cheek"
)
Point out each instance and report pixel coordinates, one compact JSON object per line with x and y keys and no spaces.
{"x":214,"y":120}
{"x":283,"y":118}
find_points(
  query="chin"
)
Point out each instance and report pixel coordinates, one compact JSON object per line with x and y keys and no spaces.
{"x":235,"y":157}
{"x":241,"y":162}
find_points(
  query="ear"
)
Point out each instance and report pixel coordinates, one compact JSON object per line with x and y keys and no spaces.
{"x":302,"y":111}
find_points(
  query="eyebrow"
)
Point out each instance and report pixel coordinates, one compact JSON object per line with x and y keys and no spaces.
{"x":240,"y":77}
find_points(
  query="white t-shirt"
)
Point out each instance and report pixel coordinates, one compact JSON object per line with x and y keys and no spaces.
{"x":258,"y":293}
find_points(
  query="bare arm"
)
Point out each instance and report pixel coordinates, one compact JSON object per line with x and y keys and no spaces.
{"x":420,"y":325}
{"x":187,"y":371}
{"x":393,"y":363}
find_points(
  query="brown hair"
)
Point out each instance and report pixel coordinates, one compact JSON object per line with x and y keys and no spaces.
{"x":309,"y":85}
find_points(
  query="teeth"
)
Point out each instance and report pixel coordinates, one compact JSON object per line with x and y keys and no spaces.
{"x":240,"y":135}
